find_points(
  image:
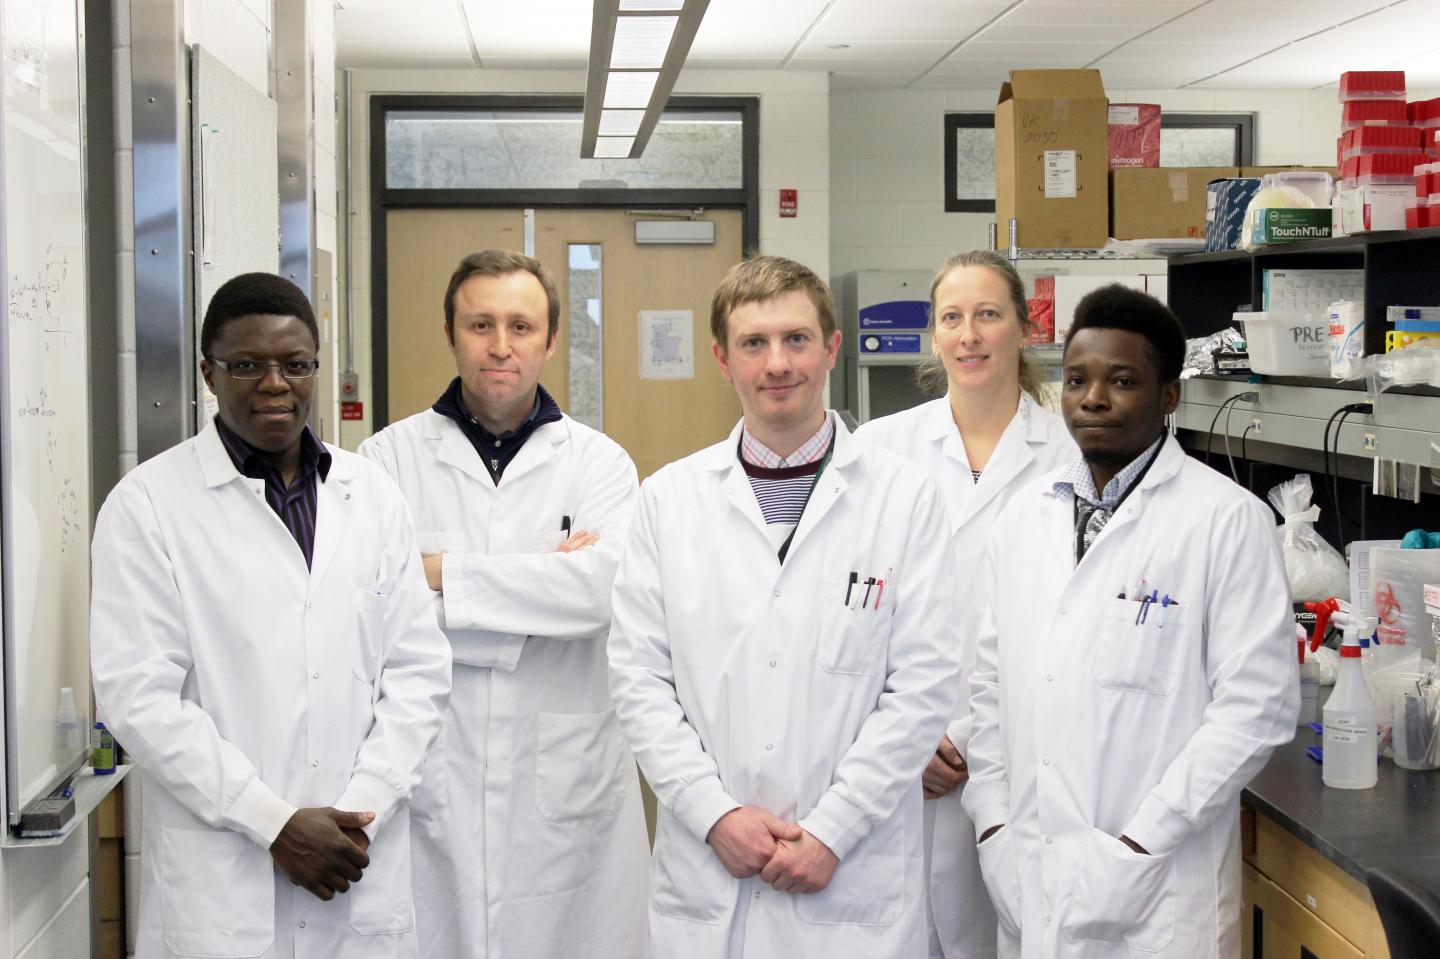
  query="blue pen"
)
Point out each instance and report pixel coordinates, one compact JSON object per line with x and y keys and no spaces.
{"x":1164,"y":605}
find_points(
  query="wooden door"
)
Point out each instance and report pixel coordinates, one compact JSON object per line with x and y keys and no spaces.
{"x":655,"y":420}
{"x":423,"y":247}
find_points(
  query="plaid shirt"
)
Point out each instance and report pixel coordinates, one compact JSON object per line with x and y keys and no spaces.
{"x":1076,"y":480}
{"x":294,"y":504}
{"x":758,"y":454}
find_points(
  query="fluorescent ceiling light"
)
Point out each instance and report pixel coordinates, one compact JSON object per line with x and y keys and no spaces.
{"x":620,"y":123}
{"x":641,"y":42}
{"x":651,"y":6}
{"x":629,"y":91}
{"x":610,"y":148}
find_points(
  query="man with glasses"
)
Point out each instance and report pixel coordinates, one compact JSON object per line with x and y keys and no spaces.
{"x":263,"y":644}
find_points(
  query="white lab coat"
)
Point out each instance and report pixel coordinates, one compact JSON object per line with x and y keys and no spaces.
{"x":740,"y":681}
{"x":1089,"y":726}
{"x":245,"y":686}
{"x":529,"y":829}
{"x":1034,"y":442}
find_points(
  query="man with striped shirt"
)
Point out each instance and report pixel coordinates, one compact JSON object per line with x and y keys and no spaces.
{"x":783,"y":656}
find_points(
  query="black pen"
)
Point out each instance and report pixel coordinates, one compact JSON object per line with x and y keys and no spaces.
{"x":565,"y":526}
{"x":870,"y":581}
{"x":853,"y":578}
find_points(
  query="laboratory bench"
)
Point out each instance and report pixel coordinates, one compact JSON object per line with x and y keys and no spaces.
{"x":1307,"y":849}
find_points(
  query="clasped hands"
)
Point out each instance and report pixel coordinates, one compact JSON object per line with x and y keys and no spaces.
{"x":323,"y":850}
{"x":750,"y":842}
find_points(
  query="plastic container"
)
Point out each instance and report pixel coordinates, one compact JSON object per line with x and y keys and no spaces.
{"x":1363,"y":141}
{"x":1350,"y":719}
{"x":1426,"y":113}
{"x":1359,"y":113}
{"x":1413,"y":724}
{"x":1372,"y":85}
{"x":1283,"y":343}
{"x":1347,"y":336}
{"x":102,"y":756}
{"x":1387,"y":169}
{"x":1314,"y":184}
{"x":1417,"y":212}
{"x":1309,"y":681}
{"x":1424,"y":176}
{"x":1403,"y":315}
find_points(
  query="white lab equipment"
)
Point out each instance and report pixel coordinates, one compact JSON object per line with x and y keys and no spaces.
{"x":1309,"y":681}
{"x":1349,"y":758}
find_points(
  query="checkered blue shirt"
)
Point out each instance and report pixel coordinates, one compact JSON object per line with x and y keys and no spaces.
{"x":1076,"y":480}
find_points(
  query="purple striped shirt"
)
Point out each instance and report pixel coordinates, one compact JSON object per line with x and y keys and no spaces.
{"x":295,"y":504}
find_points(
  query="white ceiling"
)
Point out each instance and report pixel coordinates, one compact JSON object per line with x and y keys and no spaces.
{"x":864,"y":44}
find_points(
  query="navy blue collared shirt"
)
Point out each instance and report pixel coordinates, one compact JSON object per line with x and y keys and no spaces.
{"x":496,"y":452}
{"x":294,"y":504}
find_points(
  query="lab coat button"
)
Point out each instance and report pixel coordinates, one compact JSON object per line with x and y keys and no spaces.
{"x":314,"y":675}
{"x":1044,"y":762}
{"x":1049,"y":840}
{"x":777,"y":594}
{"x":769,"y":747}
{"x":1049,"y":677}
{"x":772,"y":664}
{"x":314,"y":762}
{"x":1047,"y":919}
{"x":302,"y":923}
{"x":1063,"y":611}
{"x":757,"y":895}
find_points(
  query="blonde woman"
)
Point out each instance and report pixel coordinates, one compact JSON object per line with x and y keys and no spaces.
{"x":985,"y":439}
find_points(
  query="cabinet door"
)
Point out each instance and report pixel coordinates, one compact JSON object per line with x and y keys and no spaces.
{"x":1287,"y":930}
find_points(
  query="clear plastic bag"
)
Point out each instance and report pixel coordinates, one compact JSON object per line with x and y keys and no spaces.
{"x":1315,"y":569}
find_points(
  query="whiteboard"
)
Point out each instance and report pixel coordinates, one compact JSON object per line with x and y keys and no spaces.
{"x":44,"y":398}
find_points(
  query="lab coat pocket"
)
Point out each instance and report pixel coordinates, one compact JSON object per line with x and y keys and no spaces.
{"x":687,"y":880}
{"x":369,"y":641}
{"x":203,"y":918}
{"x":1001,"y":871}
{"x":852,"y":640}
{"x":580,"y":766}
{"x":1141,"y":655}
{"x":1121,"y":895}
{"x":380,"y":903}
{"x":868,"y":887}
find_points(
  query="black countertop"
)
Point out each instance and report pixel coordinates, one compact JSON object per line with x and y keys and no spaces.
{"x":1394,"y":826}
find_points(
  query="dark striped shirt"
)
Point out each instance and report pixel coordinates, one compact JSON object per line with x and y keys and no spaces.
{"x":295,"y":504}
{"x":782,"y":492}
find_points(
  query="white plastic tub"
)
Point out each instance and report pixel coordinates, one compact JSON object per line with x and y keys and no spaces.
{"x":1287,"y":344}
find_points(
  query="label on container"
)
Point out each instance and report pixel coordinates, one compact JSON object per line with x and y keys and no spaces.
{"x":1347,"y":731}
{"x":1059,"y":174}
{"x":1124,"y":116}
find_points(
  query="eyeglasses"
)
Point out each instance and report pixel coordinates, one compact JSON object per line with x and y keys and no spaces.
{"x":259,"y":369}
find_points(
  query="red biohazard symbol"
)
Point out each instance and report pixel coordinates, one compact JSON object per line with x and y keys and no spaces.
{"x":1387,"y":610}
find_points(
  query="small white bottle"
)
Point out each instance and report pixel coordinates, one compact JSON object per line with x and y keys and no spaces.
{"x":1350,"y":754}
{"x":1309,"y":681}
{"x":67,"y":724}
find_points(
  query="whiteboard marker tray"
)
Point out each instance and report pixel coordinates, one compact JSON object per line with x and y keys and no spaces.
{"x":90,"y":789}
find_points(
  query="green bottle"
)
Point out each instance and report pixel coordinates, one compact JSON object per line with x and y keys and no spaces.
{"x":103,"y":755}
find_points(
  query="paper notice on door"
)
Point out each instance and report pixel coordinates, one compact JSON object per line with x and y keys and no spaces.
{"x":1059,"y":173}
{"x":667,"y":344}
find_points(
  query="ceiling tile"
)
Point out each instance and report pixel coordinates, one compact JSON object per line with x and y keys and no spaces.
{"x":952,"y":20}
{"x":1137,"y":13}
{"x":923,"y":53}
{"x":750,"y":28}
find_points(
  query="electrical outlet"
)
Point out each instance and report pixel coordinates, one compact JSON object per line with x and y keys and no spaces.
{"x":1255,"y":425}
{"x":1368,"y":442}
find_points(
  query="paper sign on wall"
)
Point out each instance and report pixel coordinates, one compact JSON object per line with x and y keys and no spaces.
{"x":667,"y":344}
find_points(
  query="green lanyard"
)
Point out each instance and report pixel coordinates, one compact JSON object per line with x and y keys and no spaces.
{"x":785,"y":546}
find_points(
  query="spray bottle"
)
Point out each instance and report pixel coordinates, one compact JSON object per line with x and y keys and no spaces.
{"x":1350,"y":754}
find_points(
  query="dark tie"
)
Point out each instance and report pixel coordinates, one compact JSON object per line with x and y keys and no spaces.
{"x":1089,"y":521}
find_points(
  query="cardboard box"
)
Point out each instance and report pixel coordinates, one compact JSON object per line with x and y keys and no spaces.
{"x":1280,"y":225}
{"x":1363,"y":209}
{"x":1052,"y":158}
{"x":1161,"y":202}
{"x":1070,"y":289}
{"x":1134,"y":133}
{"x":1334,"y":171}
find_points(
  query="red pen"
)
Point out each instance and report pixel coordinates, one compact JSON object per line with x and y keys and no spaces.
{"x":879,"y":592}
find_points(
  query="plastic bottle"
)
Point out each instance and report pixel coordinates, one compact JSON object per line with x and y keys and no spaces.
{"x":1350,"y":719}
{"x":1309,"y":681}
{"x":102,"y":757}
{"x":67,"y":725}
